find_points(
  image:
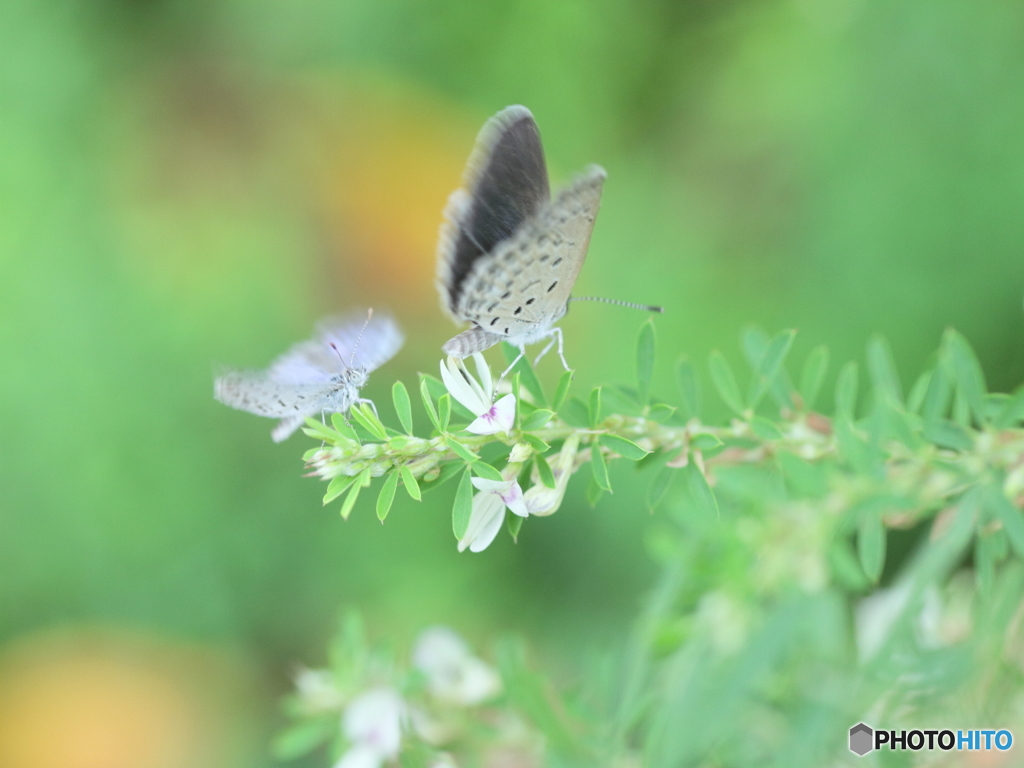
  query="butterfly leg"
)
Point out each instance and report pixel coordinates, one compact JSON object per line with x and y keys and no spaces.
{"x":522,"y":352}
{"x":556,"y":336}
{"x":369,"y":403}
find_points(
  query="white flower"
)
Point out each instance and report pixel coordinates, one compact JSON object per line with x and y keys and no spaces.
{"x":477,"y":396}
{"x":507,"y":490}
{"x":541,"y":500}
{"x":489,"y":508}
{"x":317,"y":690}
{"x":484,"y":522}
{"x":373,"y":725}
{"x":453,"y":674}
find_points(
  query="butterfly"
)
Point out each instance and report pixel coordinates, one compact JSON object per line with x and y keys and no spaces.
{"x":508,"y":254}
{"x":315,"y":377}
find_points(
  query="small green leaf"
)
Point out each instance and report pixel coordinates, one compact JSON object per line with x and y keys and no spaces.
{"x":459,"y":449}
{"x":705,"y":441}
{"x":645,"y":361}
{"x":770,"y":364}
{"x":343,"y":427}
{"x":544,"y":470}
{"x":947,"y":434}
{"x":965,"y":370}
{"x":659,"y":486}
{"x":813,"y":375}
{"x":435,"y":386}
{"x":961,"y":409}
{"x":1008,"y":514}
{"x":575,"y":413}
{"x":528,"y":376}
{"x":882,"y":371}
{"x":627,"y":449}
{"x":536,"y":420}
{"x":845,"y":566}
{"x":594,"y":493}
{"x":689,"y":388}
{"x":387,"y":496}
{"x":984,"y":564}
{"x":871,"y":544}
{"x":403,"y":406}
{"x":448,"y":470}
{"x":562,"y":390}
{"x":302,"y":738}
{"x":411,"y":486}
{"x":765,"y":429}
{"x":700,"y":492}
{"x":368,"y":420}
{"x":463,"y":506}
{"x":486,"y":471}
{"x":536,"y":443}
{"x":725,"y":382}
{"x":428,"y":403}
{"x":362,"y":480}
{"x":661,"y":413}
{"x":514,"y":523}
{"x":1011,"y":412}
{"x":314,"y":428}
{"x":444,"y":411}
{"x":337,"y":486}
{"x":846,"y":390}
{"x":594,"y":411}
{"x":599,"y":467}
{"x":915,"y":400}
{"x":938,"y":395}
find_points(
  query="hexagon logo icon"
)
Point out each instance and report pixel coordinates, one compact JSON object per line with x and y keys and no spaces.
{"x":862,"y":739}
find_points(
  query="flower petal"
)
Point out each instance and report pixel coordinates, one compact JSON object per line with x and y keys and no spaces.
{"x":459,"y":386}
{"x":491,"y":486}
{"x":484,"y":522}
{"x":483,"y":372}
{"x":513,"y":498}
{"x":361,"y":756}
{"x":374,"y":719}
{"x":500,"y":417}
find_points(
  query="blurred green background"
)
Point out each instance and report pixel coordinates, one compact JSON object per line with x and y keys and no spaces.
{"x":188,"y":183}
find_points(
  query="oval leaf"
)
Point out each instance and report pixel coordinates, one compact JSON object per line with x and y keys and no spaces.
{"x":725,"y":382}
{"x":645,"y":361}
{"x":627,"y":449}
{"x":403,"y":406}
{"x":387,"y":495}
{"x":463,"y":507}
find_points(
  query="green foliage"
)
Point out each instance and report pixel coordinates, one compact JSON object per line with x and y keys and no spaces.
{"x":778,"y":524}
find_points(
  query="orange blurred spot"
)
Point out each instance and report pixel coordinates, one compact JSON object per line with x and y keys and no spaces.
{"x":394,"y":161}
{"x":108,"y":700}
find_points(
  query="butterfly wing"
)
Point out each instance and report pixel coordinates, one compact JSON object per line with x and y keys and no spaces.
{"x":322,"y":374}
{"x":505,"y":184}
{"x":260,"y":393}
{"x":523,"y":286}
{"x":361,"y":343}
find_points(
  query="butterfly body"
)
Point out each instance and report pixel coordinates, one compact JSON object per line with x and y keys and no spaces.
{"x":509,"y":255}
{"x":315,"y":377}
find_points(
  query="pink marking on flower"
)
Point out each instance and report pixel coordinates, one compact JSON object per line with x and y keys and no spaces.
{"x":500,"y":417}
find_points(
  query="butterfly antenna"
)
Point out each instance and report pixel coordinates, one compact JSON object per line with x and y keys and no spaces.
{"x":359,"y":338}
{"x":630,"y":304}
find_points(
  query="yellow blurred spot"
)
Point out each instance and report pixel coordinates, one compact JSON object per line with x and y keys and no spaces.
{"x":109,"y":700}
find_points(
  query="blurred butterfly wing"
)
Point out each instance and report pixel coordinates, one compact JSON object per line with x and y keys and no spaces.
{"x":526,"y":282}
{"x":362,"y":344}
{"x":257,"y":392}
{"x":505,"y":184}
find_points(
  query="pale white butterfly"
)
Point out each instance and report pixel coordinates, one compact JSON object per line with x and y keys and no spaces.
{"x":315,"y":377}
{"x":508,"y":255}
